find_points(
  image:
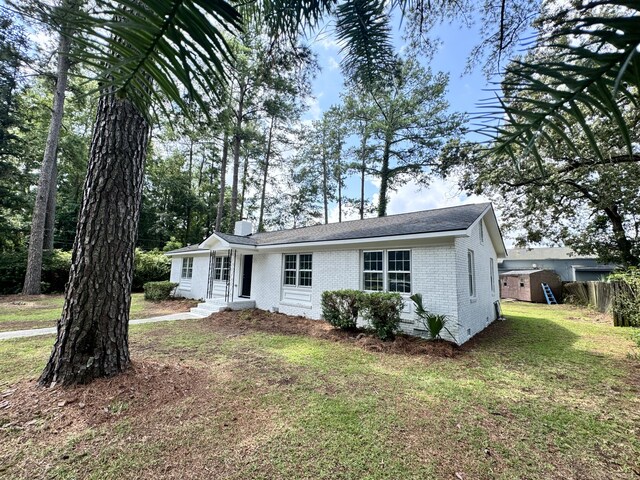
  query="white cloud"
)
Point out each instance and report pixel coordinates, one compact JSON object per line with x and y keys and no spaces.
{"x":333,"y":64}
{"x":313,"y":106}
{"x":440,"y":193}
{"x":326,"y":40}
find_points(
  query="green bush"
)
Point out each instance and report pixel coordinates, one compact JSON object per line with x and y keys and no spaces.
{"x":55,"y":271}
{"x":152,"y":266}
{"x":158,"y":290}
{"x":382,"y":311}
{"x":341,"y":307}
{"x":434,"y":323}
{"x":149,"y":267}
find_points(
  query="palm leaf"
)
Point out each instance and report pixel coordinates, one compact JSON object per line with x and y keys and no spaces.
{"x":154,"y":50}
{"x":594,"y":77}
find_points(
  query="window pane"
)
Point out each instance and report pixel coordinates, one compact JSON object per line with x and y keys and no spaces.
{"x":305,"y":278}
{"x":400,"y":282}
{"x":373,"y":281}
{"x":399,"y":261}
{"x":289,"y":262}
{"x":290,"y":277}
{"x":373,"y":261}
{"x":305,"y":262}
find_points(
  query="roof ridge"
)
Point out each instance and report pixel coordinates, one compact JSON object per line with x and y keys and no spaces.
{"x":370,"y":218}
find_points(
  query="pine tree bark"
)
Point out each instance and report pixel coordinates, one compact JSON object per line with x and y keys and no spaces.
{"x":384,"y":179}
{"x":363,"y":171}
{"x":265,"y":176}
{"x":339,"y":179}
{"x":92,"y":336}
{"x":245,"y":177}
{"x":36,"y":237}
{"x":50,"y":219}
{"x":223,"y":181}
{"x":237,"y":140}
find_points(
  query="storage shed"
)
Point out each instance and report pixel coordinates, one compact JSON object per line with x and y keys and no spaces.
{"x":526,"y":285}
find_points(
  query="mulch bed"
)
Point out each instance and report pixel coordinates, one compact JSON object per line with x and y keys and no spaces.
{"x":239,"y":322}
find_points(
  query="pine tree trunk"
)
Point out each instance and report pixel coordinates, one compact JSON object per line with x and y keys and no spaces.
{"x":92,"y":337}
{"x":325,"y":182}
{"x":384,"y":180}
{"x":265,"y":176}
{"x":36,"y":238}
{"x":223,"y":181}
{"x":363,"y":171}
{"x":50,"y":219}
{"x":339,"y":179}
{"x":245,"y":174}
{"x":237,"y":140}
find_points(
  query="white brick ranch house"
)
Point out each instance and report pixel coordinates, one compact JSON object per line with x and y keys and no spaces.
{"x":450,"y":255}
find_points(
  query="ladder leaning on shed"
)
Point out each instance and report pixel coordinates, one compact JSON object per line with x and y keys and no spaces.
{"x":548,"y":294}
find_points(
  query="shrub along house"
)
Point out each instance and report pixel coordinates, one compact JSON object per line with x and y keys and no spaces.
{"x":449,"y":255}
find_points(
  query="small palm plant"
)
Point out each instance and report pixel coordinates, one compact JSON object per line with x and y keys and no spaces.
{"x":434,"y":323}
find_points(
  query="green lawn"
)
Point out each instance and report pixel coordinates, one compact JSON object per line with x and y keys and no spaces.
{"x":546,"y":394}
{"x":18,"y":312}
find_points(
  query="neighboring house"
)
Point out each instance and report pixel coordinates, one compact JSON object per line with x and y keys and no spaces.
{"x":571,"y":266}
{"x":526,"y":285}
{"x":448,"y":255}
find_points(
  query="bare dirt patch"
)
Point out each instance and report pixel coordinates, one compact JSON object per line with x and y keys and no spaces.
{"x":143,"y":388}
{"x":276,"y":323}
{"x":164,"y":307}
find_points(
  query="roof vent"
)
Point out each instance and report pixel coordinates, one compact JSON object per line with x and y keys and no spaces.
{"x":243,"y":228}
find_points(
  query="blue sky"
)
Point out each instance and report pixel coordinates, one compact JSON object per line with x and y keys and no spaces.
{"x":464,"y":93}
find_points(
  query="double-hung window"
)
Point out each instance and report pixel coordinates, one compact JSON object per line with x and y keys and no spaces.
{"x":221,"y":268}
{"x":298,"y":270}
{"x":387,"y":270}
{"x":374,"y":271}
{"x":187,"y":267}
{"x":399,"y":271}
{"x":471,"y":266}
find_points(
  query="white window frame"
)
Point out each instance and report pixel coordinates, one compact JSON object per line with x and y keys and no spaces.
{"x":481,"y":232}
{"x":382,"y":272}
{"x":385,"y":270}
{"x":221,"y":271}
{"x":471,"y":271}
{"x":297,"y":270}
{"x":187,"y":268}
{"x":492,"y":275}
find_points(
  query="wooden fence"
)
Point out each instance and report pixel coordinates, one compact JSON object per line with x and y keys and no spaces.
{"x":606,"y":297}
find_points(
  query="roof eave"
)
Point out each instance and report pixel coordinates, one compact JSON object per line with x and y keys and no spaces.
{"x":186,"y":253}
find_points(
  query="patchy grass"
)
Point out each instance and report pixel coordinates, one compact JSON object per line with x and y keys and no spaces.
{"x":549,"y":393}
{"x":18,"y":312}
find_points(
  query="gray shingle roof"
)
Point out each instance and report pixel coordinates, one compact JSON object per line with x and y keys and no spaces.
{"x":425,"y":221}
{"x":188,"y":248}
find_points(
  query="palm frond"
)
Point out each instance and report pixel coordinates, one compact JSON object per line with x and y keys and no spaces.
{"x":157,"y":49}
{"x":589,"y":67}
{"x":363,"y":29}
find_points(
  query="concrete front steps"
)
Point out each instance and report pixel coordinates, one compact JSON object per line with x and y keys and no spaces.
{"x":214,"y":305}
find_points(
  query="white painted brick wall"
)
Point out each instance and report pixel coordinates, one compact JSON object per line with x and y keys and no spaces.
{"x":433,"y":275}
{"x":475,"y":315}
{"x":197,"y":287}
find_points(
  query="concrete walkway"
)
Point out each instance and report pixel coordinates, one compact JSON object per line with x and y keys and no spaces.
{"x":34,"y":332}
